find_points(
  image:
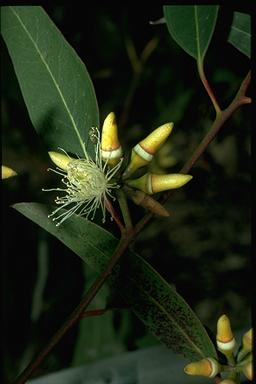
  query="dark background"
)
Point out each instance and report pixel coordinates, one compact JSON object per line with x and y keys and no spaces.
{"x":204,"y":248}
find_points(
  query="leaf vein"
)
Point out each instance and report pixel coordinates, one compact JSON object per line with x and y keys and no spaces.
{"x":53,"y":79}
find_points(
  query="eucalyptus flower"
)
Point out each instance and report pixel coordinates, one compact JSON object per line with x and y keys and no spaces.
{"x":88,"y":183}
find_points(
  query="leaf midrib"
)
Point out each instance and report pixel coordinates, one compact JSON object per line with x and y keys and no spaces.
{"x":241,"y":31}
{"x":53,"y":79}
{"x":198,"y":47}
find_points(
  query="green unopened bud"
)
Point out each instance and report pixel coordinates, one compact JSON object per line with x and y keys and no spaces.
{"x":111,"y":150}
{"x":208,"y":367}
{"x":225,"y":338}
{"x":7,"y":172}
{"x":143,"y":152}
{"x":60,"y":159}
{"x":151,"y":183}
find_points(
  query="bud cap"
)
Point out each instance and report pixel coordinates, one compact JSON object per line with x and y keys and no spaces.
{"x":144,"y":151}
{"x":225,"y":338}
{"x":156,"y":139}
{"x":247,"y":340}
{"x":111,"y":150}
{"x":208,"y":367}
{"x":7,"y":172}
{"x":248,"y":371}
{"x":152,"y":183}
{"x":60,"y":159}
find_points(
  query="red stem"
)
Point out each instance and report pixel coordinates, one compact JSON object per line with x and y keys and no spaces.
{"x":207,"y":87}
{"x":76,"y":314}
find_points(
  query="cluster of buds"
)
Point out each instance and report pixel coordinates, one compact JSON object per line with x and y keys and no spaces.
{"x":141,"y":156}
{"x":139,"y":189}
{"x":226,"y":344}
{"x":89,"y":183}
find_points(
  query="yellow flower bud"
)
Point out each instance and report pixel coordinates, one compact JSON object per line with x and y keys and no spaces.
{"x":225,"y":338}
{"x":207,"y":367}
{"x":7,"y":172}
{"x":111,"y":150}
{"x":227,"y":381}
{"x":60,"y":159}
{"x":246,"y":345}
{"x":248,"y":370}
{"x":151,"y":183}
{"x":247,"y":341}
{"x":144,"y":151}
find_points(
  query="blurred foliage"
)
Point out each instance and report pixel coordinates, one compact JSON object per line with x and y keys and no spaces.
{"x":203,"y":249}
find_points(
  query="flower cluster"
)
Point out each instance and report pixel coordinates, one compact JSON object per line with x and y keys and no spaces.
{"x":89,"y":183}
{"x":226,"y":344}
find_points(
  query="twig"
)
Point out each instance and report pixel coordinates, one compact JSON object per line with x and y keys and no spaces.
{"x":221,"y":118}
{"x":137,"y":64}
{"x":100,"y":311}
{"x":94,"y":312}
{"x":121,"y":197}
{"x":207,"y":87}
{"x":76,"y":314}
{"x":218,"y":123}
{"x":114,"y":215}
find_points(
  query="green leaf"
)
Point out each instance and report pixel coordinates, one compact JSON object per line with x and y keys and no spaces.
{"x":191,"y":26}
{"x":88,"y":240}
{"x":163,"y":310}
{"x":156,"y":303}
{"x":240,"y":33}
{"x":55,"y":84}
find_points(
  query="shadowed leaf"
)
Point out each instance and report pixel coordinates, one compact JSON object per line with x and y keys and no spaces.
{"x":240,"y":34}
{"x":156,"y":303}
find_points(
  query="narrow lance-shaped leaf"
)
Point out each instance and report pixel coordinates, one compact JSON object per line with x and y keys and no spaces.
{"x":240,"y":33}
{"x":156,"y":303}
{"x":191,"y":26}
{"x":55,"y":84}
